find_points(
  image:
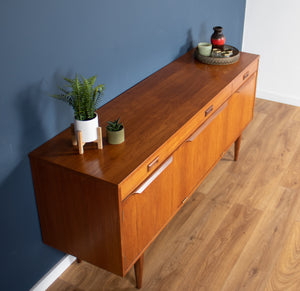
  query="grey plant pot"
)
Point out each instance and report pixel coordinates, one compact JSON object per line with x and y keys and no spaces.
{"x":115,"y":137}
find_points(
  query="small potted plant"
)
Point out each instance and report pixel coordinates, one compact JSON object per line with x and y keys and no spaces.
{"x":81,"y":94}
{"x":115,"y":132}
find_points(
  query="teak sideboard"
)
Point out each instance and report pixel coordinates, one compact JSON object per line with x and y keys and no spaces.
{"x":107,"y":206}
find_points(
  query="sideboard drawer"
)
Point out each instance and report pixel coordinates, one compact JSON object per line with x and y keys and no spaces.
{"x":244,"y":76}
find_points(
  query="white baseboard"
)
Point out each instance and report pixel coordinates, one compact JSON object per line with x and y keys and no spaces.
{"x":272,"y":96}
{"x":53,"y":274}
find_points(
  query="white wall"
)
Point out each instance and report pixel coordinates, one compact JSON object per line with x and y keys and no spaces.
{"x":272,"y":30}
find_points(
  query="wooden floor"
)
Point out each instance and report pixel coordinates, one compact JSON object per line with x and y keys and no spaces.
{"x":239,"y":231}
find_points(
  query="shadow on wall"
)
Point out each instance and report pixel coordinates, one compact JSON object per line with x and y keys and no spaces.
{"x":24,"y":253}
{"x":190,"y":43}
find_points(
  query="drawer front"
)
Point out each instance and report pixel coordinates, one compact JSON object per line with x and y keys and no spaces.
{"x":155,"y":160}
{"x":146,"y":211}
{"x":244,"y":76}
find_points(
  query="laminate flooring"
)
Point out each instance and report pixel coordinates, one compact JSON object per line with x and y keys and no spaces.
{"x":239,"y":231}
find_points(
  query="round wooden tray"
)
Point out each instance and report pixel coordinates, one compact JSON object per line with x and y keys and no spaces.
{"x":219,"y":61}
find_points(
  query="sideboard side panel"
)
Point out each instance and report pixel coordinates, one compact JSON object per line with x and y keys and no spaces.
{"x":79,"y":215}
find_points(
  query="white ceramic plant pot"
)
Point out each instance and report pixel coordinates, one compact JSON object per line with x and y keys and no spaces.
{"x":88,"y":128}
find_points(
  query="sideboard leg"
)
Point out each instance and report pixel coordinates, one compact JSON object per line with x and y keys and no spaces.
{"x":138,"y":269}
{"x":237,"y":145}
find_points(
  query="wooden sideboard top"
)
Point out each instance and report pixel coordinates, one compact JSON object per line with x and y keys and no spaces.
{"x":176,"y":92}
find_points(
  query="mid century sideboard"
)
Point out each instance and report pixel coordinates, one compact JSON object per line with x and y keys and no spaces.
{"x":107,"y":206}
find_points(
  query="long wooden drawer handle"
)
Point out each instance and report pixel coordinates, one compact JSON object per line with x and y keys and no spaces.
{"x":147,"y":183}
{"x":207,"y":122}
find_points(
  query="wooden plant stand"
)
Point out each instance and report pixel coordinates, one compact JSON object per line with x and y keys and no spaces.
{"x":78,"y":141}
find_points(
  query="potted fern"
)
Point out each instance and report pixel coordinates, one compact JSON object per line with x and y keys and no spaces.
{"x":115,"y":132}
{"x":81,"y":94}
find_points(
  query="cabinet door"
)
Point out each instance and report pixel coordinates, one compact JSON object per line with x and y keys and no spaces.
{"x":197,"y":156}
{"x":199,"y":153}
{"x":240,"y":110}
{"x":146,"y":211}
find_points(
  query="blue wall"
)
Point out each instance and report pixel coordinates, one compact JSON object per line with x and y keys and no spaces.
{"x":40,"y":41}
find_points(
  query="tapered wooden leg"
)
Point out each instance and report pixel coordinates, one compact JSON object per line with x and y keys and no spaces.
{"x":237,"y":145}
{"x":78,"y":260}
{"x":138,"y":269}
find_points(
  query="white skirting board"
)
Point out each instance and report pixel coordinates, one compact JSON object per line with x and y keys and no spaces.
{"x":267,"y":95}
{"x":53,"y":274}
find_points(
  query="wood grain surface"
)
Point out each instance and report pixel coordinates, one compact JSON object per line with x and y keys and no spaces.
{"x":239,"y":231}
{"x":198,"y":83}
